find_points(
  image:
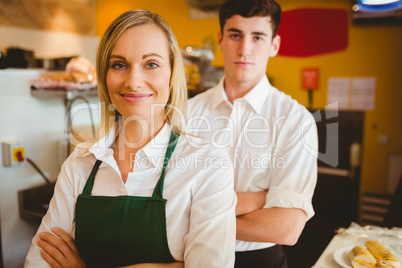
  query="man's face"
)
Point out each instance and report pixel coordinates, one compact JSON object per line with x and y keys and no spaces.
{"x":247,"y":44}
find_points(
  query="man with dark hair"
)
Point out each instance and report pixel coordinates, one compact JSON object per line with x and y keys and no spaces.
{"x":272,"y":139}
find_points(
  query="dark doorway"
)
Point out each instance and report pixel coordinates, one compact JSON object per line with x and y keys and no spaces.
{"x":336,"y":195}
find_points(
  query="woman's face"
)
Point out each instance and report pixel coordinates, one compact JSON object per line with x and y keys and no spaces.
{"x":139,"y":73}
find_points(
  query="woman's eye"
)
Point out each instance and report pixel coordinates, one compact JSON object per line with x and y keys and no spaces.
{"x":152,"y":65}
{"x":118,"y":65}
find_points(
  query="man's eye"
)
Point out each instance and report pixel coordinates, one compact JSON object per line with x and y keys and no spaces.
{"x":235,"y":36}
{"x":152,"y":65}
{"x":258,"y":38}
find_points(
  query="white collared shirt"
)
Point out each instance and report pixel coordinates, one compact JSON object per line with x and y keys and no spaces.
{"x":271,"y":139}
{"x":200,"y":208}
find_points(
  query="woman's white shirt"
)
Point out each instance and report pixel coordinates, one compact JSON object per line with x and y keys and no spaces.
{"x":200,"y":208}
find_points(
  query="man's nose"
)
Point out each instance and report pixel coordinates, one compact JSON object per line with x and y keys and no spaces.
{"x":135,"y":79}
{"x":245,"y":47}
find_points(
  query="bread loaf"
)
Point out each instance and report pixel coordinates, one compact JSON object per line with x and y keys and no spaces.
{"x":385,"y":259}
{"x":361,"y":258}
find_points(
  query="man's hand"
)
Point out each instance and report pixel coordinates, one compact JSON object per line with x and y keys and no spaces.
{"x":249,"y":201}
{"x":60,"y":252}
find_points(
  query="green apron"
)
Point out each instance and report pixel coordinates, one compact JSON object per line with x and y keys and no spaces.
{"x":123,"y":230}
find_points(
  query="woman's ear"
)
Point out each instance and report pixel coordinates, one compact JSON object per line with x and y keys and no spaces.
{"x":276,"y":43}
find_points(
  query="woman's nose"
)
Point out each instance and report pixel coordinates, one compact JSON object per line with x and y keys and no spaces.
{"x":135,"y":79}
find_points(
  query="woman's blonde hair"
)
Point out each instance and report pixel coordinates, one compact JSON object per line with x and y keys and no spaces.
{"x":176,"y":105}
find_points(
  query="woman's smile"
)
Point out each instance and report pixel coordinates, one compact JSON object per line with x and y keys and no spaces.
{"x":136,"y":97}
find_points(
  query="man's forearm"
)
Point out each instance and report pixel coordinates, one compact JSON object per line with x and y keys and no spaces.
{"x":249,"y":201}
{"x":281,"y":226}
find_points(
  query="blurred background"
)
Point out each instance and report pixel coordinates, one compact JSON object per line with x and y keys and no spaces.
{"x":341,"y":62}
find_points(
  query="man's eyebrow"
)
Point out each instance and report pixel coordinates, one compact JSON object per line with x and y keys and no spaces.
{"x":234,"y":30}
{"x":238,"y":31}
{"x":259,"y":33}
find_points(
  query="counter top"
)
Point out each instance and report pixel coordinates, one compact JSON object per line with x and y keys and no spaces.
{"x":334,"y":255}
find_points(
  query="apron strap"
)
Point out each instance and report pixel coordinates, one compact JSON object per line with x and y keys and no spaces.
{"x":90,"y":183}
{"x":158,"y":191}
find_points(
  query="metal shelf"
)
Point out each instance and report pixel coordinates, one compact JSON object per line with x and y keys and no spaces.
{"x":69,"y":96}
{"x":62,"y":93}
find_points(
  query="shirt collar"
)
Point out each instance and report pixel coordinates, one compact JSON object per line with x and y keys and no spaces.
{"x":155,"y":150}
{"x":103,"y":147}
{"x":218,"y":95}
{"x":255,"y":97}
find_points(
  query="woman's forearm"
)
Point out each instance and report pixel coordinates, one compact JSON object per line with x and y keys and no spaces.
{"x":157,"y":265}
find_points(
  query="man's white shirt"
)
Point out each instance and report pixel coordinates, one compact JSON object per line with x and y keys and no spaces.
{"x":271,"y":139}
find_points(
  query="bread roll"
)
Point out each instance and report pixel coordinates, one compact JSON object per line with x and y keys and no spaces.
{"x":385,"y":259}
{"x":361,"y":258}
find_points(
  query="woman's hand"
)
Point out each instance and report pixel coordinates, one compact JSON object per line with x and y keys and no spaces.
{"x":60,"y":252}
{"x":157,"y":265}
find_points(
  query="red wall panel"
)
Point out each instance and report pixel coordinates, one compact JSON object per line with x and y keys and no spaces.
{"x":313,"y":31}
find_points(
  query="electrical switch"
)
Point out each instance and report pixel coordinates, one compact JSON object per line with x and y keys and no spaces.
{"x":13,"y":153}
{"x":19,"y":154}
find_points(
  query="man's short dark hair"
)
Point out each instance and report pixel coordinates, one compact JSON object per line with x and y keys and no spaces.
{"x":251,"y":8}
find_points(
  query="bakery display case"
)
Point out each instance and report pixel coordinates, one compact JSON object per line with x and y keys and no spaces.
{"x":200,"y":75}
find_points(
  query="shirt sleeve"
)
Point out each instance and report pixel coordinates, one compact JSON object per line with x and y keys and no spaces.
{"x":294,"y":174}
{"x":60,"y":214}
{"x":212,"y":234}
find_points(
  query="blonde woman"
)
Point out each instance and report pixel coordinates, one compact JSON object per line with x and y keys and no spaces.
{"x":142,"y":195}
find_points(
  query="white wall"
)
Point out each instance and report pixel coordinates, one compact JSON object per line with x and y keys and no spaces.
{"x":39,"y":124}
{"x":47,"y":44}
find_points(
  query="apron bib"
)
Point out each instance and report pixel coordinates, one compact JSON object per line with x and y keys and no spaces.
{"x":114,"y":231}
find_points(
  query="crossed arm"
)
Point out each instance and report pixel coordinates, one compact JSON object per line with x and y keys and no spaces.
{"x":61,"y":252}
{"x":281,"y":226}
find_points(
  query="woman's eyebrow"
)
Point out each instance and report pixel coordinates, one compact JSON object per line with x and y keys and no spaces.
{"x":152,"y":54}
{"x":143,"y":56}
{"x":117,"y":57}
